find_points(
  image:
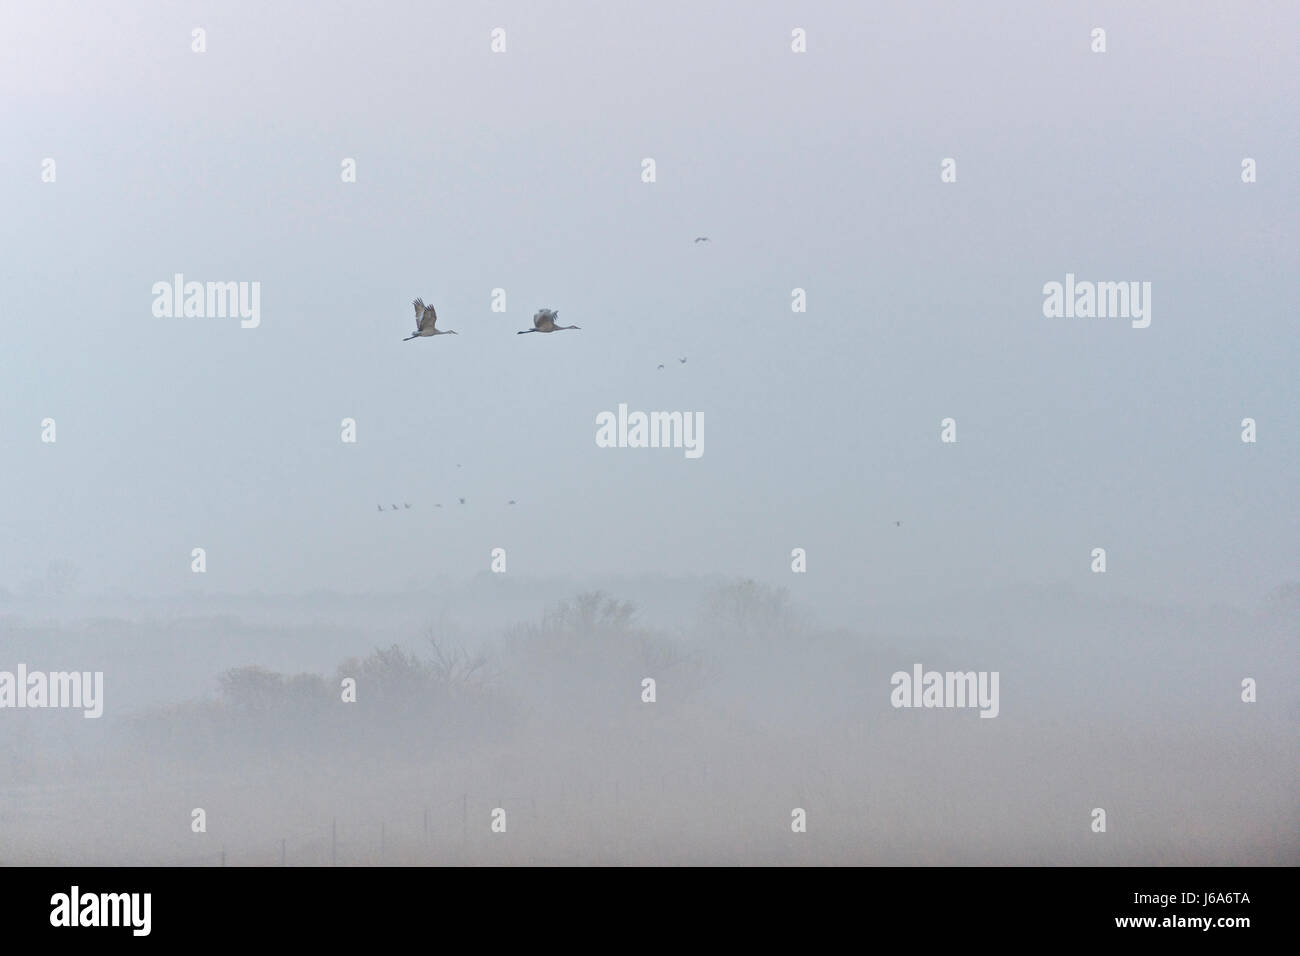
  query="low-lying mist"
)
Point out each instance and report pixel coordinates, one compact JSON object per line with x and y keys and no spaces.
{"x":690,"y":726}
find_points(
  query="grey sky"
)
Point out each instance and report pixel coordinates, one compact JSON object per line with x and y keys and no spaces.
{"x":521,"y":171}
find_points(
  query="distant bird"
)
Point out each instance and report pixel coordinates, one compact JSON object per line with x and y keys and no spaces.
{"x":381,"y":507}
{"x":898,"y":524}
{"x":438,"y":506}
{"x":701,"y":238}
{"x":511,"y":501}
{"x":683,"y":361}
{"x":462,"y":500}
{"x":408,"y":507}
{"x":425,"y":320}
{"x":544,"y":321}
{"x":394,"y":507}
{"x":661,"y":366}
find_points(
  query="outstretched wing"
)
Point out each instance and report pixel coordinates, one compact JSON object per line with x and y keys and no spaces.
{"x":429,"y":319}
{"x":543,"y":317}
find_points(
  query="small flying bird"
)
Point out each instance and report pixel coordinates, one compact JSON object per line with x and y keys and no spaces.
{"x":544,"y":321}
{"x":898,"y":524}
{"x":394,"y":507}
{"x":438,"y":506}
{"x":462,"y":500}
{"x":408,"y":507}
{"x":425,"y":319}
{"x":682,"y":360}
{"x":381,"y":507}
{"x":661,"y":365}
{"x":701,"y":238}
{"x":511,"y":501}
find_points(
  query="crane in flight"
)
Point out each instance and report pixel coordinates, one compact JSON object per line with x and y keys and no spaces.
{"x":544,"y":321}
{"x":426,"y":318}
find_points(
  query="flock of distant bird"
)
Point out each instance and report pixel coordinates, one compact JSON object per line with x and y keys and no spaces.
{"x":406,"y":507}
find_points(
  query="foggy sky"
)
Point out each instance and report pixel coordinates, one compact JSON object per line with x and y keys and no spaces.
{"x":522,"y":171}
